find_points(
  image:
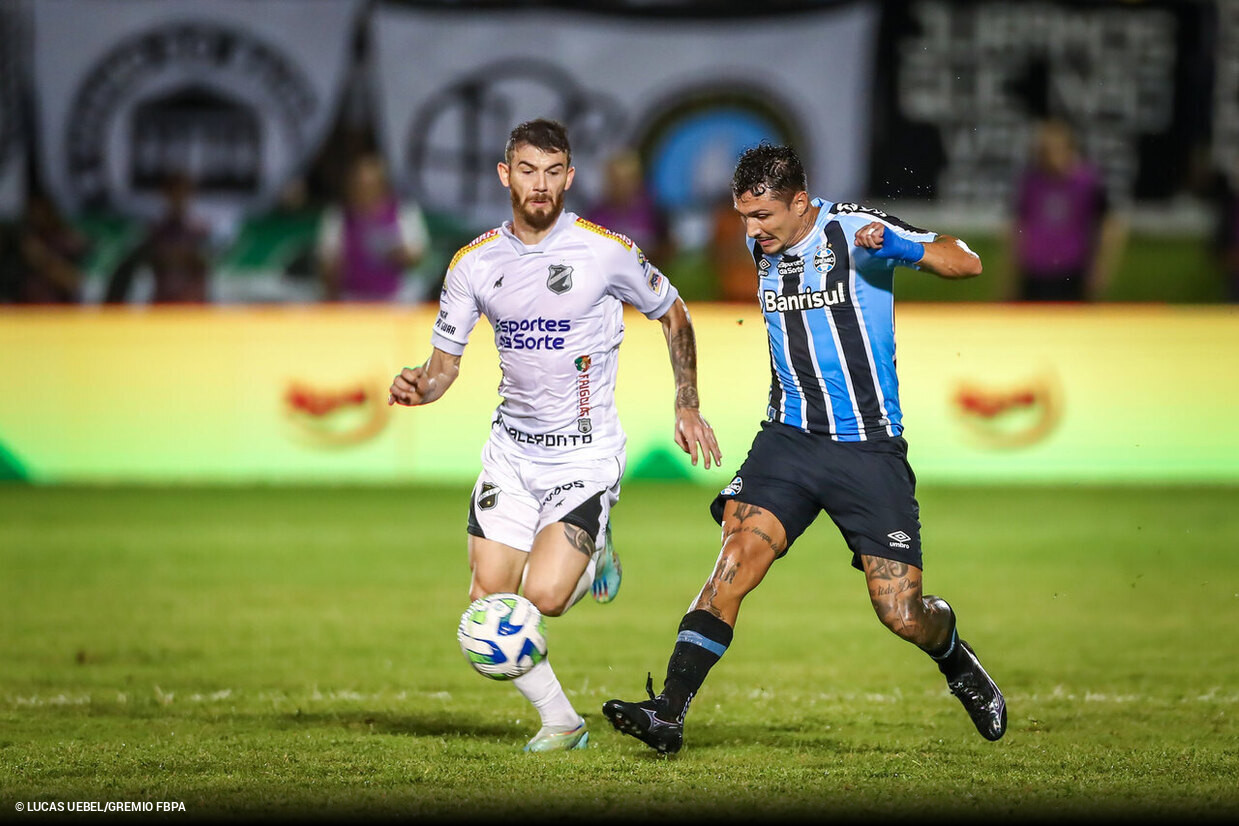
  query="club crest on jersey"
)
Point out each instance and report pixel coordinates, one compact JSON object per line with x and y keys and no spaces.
{"x":584,"y":425}
{"x":824,"y":260}
{"x":488,"y":496}
{"x":582,"y":363}
{"x":559,"y":281}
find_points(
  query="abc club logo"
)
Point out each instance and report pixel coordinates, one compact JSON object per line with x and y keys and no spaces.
{"x":688,"y":139}
{"x":200,"y":98}
{"x":455,"y":135}
{"x":488,"y":496}
{"x":559,"y":278}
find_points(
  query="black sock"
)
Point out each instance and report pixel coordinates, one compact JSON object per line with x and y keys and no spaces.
{"x":950,"y":657}
{"x":702,"y":640}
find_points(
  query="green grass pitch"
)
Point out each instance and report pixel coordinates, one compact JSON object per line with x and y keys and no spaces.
{"x":284,"y":652}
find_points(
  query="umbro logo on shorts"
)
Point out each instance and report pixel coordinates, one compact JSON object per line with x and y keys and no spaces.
{"x":900,"y":538}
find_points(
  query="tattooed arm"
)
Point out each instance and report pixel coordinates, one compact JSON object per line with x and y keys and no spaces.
{"x":691,"y":430}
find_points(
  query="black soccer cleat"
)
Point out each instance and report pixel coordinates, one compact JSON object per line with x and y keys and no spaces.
{"x":979,"y":695}
{"x":641,"y":720}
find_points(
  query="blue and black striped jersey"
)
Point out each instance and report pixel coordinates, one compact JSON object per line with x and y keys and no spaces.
{"x":830,"y":319}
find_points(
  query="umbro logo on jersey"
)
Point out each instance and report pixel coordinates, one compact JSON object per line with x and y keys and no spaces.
{"x":900,"y":538}
{"x":764,"y":265}
{"x":559,"y":280}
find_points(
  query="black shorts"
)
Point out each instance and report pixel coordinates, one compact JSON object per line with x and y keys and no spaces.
{"x":867,"y":488}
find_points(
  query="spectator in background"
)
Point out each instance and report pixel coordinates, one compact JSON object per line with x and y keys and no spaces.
{"x":627,"y":207}
{"x":175,"y":249}
{"x":50,"y":252}
{"x":366,"y":246}
{"x":1065,"y":238}
{"x":734,"y":270}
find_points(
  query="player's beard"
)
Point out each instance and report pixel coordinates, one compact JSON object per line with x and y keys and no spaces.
{"x":538,"y":219}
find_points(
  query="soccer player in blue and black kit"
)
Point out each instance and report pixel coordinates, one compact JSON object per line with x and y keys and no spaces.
{"x":832,"y":440}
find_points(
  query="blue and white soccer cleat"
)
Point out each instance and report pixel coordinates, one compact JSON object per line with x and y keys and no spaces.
{"x":552,"y":739}
{"x":607,"y":571}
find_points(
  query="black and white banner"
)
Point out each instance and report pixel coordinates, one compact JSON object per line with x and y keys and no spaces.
{"x":688,"y":93}
{"x":963,"y":83}
{"x":236,"y":94}
{"x":12,"y":132}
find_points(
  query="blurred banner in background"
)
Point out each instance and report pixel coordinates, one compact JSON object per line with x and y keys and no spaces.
{"x":961,"y":85}
{"x":689,"y":94}
{"x":12,"y":127}
{"x":239,"y":95}
{"x":925,"y":108}
{"x":996,"y":395}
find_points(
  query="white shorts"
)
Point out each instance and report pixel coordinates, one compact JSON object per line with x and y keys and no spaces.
{"x":515,"y":498}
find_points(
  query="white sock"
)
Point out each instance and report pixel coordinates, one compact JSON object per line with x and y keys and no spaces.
{"x":541,"y":687}
{"x":584,"y":584}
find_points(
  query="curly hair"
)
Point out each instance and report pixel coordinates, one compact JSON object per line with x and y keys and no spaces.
{"x":769,"y":168}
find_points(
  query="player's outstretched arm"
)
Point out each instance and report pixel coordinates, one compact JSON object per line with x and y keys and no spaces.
{"x":424,"y":384}
{"x":946,"y":255}
{"x":692,"y":431}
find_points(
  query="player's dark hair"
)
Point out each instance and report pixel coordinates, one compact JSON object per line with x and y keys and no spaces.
{"x":547,"y":135}
{"x":769,"y":168}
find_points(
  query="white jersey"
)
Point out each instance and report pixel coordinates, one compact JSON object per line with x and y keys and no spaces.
{"x":557,"y":312}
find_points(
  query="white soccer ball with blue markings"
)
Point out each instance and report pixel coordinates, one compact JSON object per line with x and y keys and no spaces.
{"x":502,"y":636}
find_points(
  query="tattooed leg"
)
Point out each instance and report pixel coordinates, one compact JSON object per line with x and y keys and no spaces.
{"x":895,"y":591}
{"x":752,"y":539}
{"x":557,"y":566}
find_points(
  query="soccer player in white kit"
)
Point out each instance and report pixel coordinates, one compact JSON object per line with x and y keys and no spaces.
{"x":553,"y":287}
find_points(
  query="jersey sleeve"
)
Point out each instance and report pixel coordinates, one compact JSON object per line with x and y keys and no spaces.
{"x":635,"y":280}
{"x":458,"y":311}
{"x":854,"y":217}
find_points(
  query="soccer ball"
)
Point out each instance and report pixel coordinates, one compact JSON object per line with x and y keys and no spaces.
{"x":502,"y":636}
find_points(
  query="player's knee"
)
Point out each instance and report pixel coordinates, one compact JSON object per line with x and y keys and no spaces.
{"x":749,"y":549}
{"x":548,"y":601}
{"x":901,"y":614}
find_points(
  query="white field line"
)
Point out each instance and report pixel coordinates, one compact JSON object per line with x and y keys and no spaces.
{"x":1214,"y":695}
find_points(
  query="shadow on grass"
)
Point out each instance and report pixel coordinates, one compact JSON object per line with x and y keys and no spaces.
{"x":412,"y":724}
